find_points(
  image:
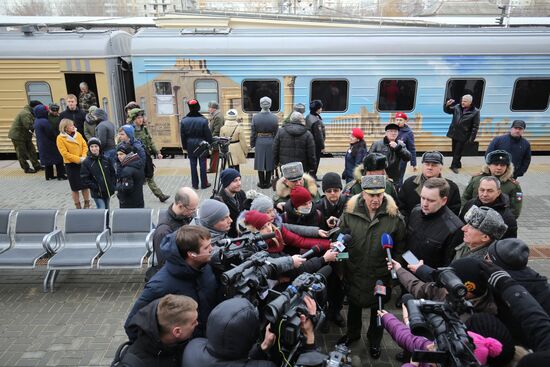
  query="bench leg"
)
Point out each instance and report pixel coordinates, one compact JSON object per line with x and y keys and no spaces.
{"x":53,"y":277}
{"x":46,"y":280}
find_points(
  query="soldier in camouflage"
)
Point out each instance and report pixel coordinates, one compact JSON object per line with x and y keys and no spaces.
{"x":86,"y":98}
{"x":141,"y":133}
{"x":21,"y":136}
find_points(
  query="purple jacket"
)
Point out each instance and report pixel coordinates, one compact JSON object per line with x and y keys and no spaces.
{"x":403,"y":336}
{"x":407,"y":135}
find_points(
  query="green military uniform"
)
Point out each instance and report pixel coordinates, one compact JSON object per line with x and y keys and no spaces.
{"x":367,"y":258}
{"x":54,"y":122}
{"x":86,"y":100}
{"x":21,"y":136}
{"x":508,"y":185}
{"x":142,"y":134}
{"x":215,"y":124}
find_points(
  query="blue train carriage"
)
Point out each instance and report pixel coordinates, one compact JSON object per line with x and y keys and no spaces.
{"x":362,"y":76}
{"x":47,"y":66}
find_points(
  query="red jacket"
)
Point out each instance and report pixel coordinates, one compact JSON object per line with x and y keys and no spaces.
{"x":285,"y":237}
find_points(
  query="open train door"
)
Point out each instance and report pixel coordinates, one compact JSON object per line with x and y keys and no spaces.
{"x":126,"y":83}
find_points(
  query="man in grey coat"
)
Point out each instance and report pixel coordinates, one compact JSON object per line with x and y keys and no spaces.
{"x":263,"y":131}
{"x":105,"y":132}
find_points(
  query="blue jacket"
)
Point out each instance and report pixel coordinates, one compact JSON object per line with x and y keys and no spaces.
{"x":178,"y":277}
{"x":45,"y":137}
{"x":354,"y":157}
{"x":194,"y":129}
{"x":520,"y":149}
{"x":407,"y":135}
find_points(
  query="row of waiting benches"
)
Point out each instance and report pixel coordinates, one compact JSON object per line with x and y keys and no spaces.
{"x":86,"y":239}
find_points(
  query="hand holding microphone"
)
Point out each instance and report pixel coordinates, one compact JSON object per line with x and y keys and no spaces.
{"x":387,"y":244}
{"x":379,"y":293}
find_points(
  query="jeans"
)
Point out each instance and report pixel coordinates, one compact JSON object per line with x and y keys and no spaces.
{"x":194,"y":174}
{"x":101,"y":203}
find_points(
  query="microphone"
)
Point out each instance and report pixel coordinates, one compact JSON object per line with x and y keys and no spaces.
{"x":342,"y":241}
{"x":387,"y":244}
{"x":315,"y":250}
{"x":379,"y":292}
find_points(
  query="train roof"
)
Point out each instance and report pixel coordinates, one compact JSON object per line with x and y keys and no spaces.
{"x":339,"y":42}
{"x":64,"y":44}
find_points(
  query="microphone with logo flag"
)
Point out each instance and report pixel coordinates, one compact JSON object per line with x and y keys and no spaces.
{"x":387,"y":244}
{"x":379,"y":293}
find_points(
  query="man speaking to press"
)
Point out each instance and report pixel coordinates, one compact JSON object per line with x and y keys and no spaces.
{"x":368,"y":216}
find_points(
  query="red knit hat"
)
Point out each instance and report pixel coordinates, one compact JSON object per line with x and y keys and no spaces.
{"x":401,"y":115}
{"x":358,"y":133}
{"x":299,"y":196}
{"x":256,"y":219}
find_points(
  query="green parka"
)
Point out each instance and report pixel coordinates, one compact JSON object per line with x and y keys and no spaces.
{"x":22,"y":126}
{"x":367,"y":259}
{"x":508,"y":186}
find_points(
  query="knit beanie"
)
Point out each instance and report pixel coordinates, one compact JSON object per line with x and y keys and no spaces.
{"x":358,"y":133}
{"x":124,"y":148}
{"x":265,"y":102}
{"x":228,"y":175}
{"x":299,"y":196}
{"x":509,"y":253}
{"x":489,"y":326}
{"x":297,"y":117}
{"x":315,"y":105}
{"x":262,"y":204}
{"x":331,"y":180}
{"x":486,"y":220}
{"x":193,"y":105}
{"x":211,"y":212}
{"x":468,"y":269}
{"x":256,"y":219}
{"x":128,"y":130}
{"x":485,"y":348}
{"x":94,"y":140}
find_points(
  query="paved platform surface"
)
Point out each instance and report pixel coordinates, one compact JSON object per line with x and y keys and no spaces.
{"x":80,"y":324}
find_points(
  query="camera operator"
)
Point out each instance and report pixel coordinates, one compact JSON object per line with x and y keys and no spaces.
{"x":163,"y":326}
{"x":231,"y":195}
{"x":233,"y":330}
{"x":187,"y":271}
{"x":467,"y":269}
{"x":368,"y":217}
{"x":214,"y":215}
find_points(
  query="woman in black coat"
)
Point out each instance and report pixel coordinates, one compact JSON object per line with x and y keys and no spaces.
{"x":130,"y":177}
{"x":47,"y":146}
{"x":294,"y":143}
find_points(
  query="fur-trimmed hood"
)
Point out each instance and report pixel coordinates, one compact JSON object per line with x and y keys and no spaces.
{"x":391,"y":206}
{"x":358,"y":172}
{"x":283,"y":191}
{"x":507,"y":175}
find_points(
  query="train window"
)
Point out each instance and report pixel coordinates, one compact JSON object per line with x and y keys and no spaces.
{"x":163,"y":95}
{"x":206,"y":90}
{"x":39,"y":91}
{"x":456,"y":88}
{"x":396,"y":94}
{"x":333,"y":94}
{"x":531,"y":95}
{"x":254,"y":90}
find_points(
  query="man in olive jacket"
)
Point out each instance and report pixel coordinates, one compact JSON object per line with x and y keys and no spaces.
{"x":21,"y":136}
{"x":367,"y":217}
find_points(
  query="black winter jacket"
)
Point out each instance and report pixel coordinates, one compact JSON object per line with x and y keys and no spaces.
{"x":464,"y":125}
{"x":294,"y":143}
{"x":98,"y":174}
{"x":535,"y":284}
{"x":148,"y":350}
{"x":314,"y":123}
{"x":394,"y":156}
{"x":169,"y":222}
{"x":433,"y":237}
{"x":502,"y":206}
{"x":77,"y":116}
{"x":232,"y":339}
{"x":328,"y":209}
{"x":193,"y":130}
{"x":409,"y":196}
{"x":130,"y":178}
{"x":178,"y":277}
{"x":289,"y":215}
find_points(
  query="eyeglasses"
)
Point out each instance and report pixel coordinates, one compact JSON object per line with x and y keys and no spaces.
{"x":332,"y":191}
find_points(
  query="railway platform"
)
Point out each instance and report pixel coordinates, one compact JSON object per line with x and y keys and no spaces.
{"x":81,"y":323}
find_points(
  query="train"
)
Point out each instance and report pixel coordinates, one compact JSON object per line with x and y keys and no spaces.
{"x":363,"y":77}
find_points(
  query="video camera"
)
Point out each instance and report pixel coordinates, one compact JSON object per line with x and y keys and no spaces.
{"x":283,"y":313}
{"x":234,"y":251}
{"x":221,"y":143}
{"x":441,"y":322}
{"x":249,"y":279}
{"x":339,"y":357}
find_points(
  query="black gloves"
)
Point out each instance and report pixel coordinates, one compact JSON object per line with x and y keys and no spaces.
{"x":496,"y":277}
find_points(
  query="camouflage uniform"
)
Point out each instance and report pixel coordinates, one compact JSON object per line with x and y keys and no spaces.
{"x":21,"y":135}
{"x":85,"y":100}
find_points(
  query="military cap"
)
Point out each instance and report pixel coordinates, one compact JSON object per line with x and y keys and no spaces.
{"x":498,"y":157}
{"x":486,"y":220}
{"x":375,"y":162}
{"x":292,"y":171}
{"x":373,"y":184}
{"x":135,"y":112}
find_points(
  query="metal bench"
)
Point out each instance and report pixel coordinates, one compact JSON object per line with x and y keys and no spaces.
{"x":5,"y":229}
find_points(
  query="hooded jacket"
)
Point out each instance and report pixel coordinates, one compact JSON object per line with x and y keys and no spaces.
{"x":45,"y":138}
{"x":130,"y":178}
{"x":136,"y":143}
{"x":294,"y":143}
{"x":367,"y":259}
{"x":502,"y":207}
{"x":232,"y":332}
{"x":104,"y":130}
{"x":508,"y":186}
{"x":314,"y":123}
{"x":354,"y":156}
{"x":178,"y":277}
{"x":393,"y":155}
{"x":98,"y":174}
{"x":148,"y":348}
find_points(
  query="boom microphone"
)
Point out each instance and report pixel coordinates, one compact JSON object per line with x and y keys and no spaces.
{"x":379,"y":293}
{"x":387,"y":244}
{"x":315,"y":250}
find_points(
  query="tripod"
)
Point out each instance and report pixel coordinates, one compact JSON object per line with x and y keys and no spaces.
{"x":225,"y":161}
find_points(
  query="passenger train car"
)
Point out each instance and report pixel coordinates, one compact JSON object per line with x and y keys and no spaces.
{"x":362,"y":76}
